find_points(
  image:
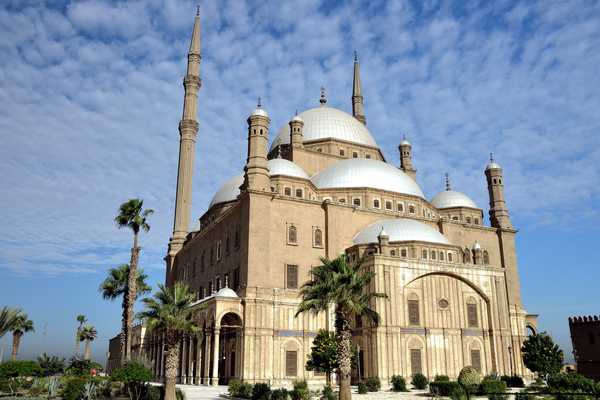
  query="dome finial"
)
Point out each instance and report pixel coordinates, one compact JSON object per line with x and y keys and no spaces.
{"x":491,"y":158}
{"x":448,"y":188}
{"x":258,"y":103}
{"x":323,"y":99}
{"x":279,"y":152}
{"x":355,"y":56}
{"x":198,"y":10}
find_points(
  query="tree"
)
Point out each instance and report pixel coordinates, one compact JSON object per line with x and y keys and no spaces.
{"x":116,"y":285}
{"x":133,"y":216}
{"x":7,"y":319}
{"x":323,"y":354}
{"x":88,"y":334}
{"x":169,"y":312}
{"x":345,"y":285}
{"x":541,"y":355}
{"x":51,"y":365}
{"x":134,"y":375}
{"x":82,"y":321}
{"x":21,"y":325}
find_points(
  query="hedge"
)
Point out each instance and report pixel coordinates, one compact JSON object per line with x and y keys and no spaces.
{"x":442,"y":388}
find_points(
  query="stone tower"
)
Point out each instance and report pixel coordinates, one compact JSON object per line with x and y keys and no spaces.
{"x":296,"y":131}
{"x":188,"y":131}
{"x":405,"y":149}
{"x":256,"y":175}
{"x":357,"y":99}
{"x":498,"y":212}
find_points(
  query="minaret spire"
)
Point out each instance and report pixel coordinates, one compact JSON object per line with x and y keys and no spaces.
{"x":188,"y":131}
{"x":357,"y":97}
{"x":447,"y":181}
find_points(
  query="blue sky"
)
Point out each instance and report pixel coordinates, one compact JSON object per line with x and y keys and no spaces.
{"x":91,"y":96}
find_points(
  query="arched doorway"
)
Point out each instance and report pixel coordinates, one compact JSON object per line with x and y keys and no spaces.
{"x":229,"y":347}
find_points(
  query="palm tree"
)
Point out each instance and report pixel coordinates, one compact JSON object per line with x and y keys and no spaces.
{"x":88,"y":334}
{"x":7,"y":319}
{"x":21,"y":325}
{"x":82,"y":321}
{"x":169,"y":312}
{"x":346,"y":286}
{"x":132,"y":216}
{"x":116,"y":285}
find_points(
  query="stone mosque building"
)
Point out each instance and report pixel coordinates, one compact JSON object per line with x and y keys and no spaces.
{"x":322,"y":188}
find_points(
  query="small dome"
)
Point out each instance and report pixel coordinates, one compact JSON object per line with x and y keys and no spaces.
{"x":226,"y":292}
{"x":476,"y":246}
{"x":328,"y":122}
{"x":493,"y":165}
{"x":400,"y":230}
{"x":382,"y":232}
{"x":362,"y":172}
{"x":405,"y":142}
{"x":281,"y":166}
{"x":259,"y":111}
{"x":451,"y":198}
{"x":297,"y":118}
{"x":229,"y":191}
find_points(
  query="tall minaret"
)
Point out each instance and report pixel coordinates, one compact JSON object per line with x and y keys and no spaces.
{"x":357,"y":99}
{"x":188,"y":131}
{"x":498,"y":212}
{"x":405,"y":149}
{"x":257,"y":170}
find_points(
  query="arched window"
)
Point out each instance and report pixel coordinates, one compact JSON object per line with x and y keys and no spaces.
{"x":466,"y":255}
{"x":413,"y":252}
{"x":388,"y":205}
{"x":287,"y":191}
{"x":413,"y":310}
{"x":400,"y":207}
{"x":342,"y":153}
{"x":486,"y":257}
{"x":433,"y":257}
{"x":393,"y":253}
{"x":356,"y":201}
{"x":472,"y":317}
{"x":376,"y":203}
{"x":403,"y":253}
{"x":411,"y":209}
{"x":441,"y":256}
{"x":299,"y":193}
{"x":354,"y":154}
{"x":468,"y":220}
{"x":424,"y":254}
{"x":476,"y":221}
{"x":292,"y":234}
{"x":449,"y":257}
{"x":318,"y":237}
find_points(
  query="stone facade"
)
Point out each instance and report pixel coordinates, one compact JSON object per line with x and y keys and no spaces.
{"x":585,"y":337}
{"x":452,"y":302}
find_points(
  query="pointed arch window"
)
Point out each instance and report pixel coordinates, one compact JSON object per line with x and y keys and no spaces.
{"x":318,"y":241}
{"x":486,"y":257}
{"x":292,"y":234}
{"x":472,"y":317}
{"x":466,"y":255}
{"x":413,"y":311}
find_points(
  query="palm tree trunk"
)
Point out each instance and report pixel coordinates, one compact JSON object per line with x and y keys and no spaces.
{"x":344,"y":337}
{"x":77,"y":341}
{"x":124,"y":327}
{"x":131,"y":293}
{"x":171,"y":363}
{"x":15,"y":345}
{"x":88,"y":351}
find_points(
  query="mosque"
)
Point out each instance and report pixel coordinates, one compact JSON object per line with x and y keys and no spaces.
{"x":320,"y":189}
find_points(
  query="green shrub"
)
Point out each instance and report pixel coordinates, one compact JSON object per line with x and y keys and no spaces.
{"x":373,"y":384}
{"x":73,"y":388}
{"x":458,"y":393}
{"x":234,"y":387}
{"x":13,"y":369}
{"x":571,"y":383}
{"x":300,"y":391}
{"x":328,"y":393}
{"x":488,"y":386}
{"x":524,"y":396}
{"x":441,"y":378}
{"x":237,"y":388}
{"x":261,"y":391}
{"x":179,"y":394}
{"x":398,"y":384}
{"x":513,"y":381}
{"x":419,"y":381}
{"x":134,"y":376}
{"x":80,"y":367}
{"x":51,"y":365}
{"x":279,"y":394}
{"x":153,"y":393}
{"x":362,"y":388}
{"x":442,"y":388}
{"x":469,"y":378}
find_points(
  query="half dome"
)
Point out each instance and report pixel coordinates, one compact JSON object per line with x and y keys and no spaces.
{"x":226,"y":292}
{"x":451,"y":198}
{"x":229,"y":191}
{"x":328,"y":122}
{"x":399,"y":230}
{"x":363,"y":172}
{"x":281,"y":166}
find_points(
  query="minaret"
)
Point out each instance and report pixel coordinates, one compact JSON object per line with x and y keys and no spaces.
{"x":405,"y":149}
{"x":296,"y":131}
{"x":357,"y":99}
{"x":447,"y":177}
{"x":499,"y":217}
{"x":256,"y":175}
{"x":188,"y":131}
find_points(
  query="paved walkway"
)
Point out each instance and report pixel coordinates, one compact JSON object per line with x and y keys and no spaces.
{"x":193,"y":392}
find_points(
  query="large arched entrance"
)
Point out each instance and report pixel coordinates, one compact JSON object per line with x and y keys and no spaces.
{"x":230,"y":347}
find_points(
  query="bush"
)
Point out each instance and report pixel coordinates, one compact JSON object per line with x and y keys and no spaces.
{"x":442,"y":388}
{"x":469,"y":379}
{"x":74,"y":388}
{"x":398,"y":384}
{"x":441,"y":378}
{"x":524,"y":396}
{"x":13,"y":369}
{"x":237,"y":388}
{"x":419,"y":381}
{"x":81,"y":367}
{"x":373,"y":384}
{"x":571,"y":383}
{"x":154,"y":393}
{"x":493,"y":388}
{"x":261,"y":391}
{"x":300,"y":391}
{"x":328,"y":393}
{"x":279,"y":394}
{"x":458,"y":393}
{"x":179,"y":394}
{"x":513,"y":381}
{"x":362,"y":388}
{"x":51,"y":365}
{"x":134,"y":376}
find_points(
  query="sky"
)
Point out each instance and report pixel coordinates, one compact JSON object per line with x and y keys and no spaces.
{"x":91,"y":94}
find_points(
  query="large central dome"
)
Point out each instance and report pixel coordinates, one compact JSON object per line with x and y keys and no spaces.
{"x":327,"y":122}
